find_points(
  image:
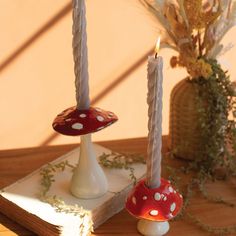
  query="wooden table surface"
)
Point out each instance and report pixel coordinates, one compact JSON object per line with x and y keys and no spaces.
{"x":15,"y":164}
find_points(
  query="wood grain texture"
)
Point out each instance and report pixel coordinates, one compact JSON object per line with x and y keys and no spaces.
{"x":15,"y":164}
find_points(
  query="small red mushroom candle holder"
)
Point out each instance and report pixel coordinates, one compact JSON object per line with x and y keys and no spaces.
{"x":88,"y":180}
{"x":154,"y":207}
{"x":153,"y":200}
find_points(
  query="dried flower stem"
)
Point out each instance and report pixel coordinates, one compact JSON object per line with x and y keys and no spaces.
{"x":199,"y":44}
{"x":229,"y":9}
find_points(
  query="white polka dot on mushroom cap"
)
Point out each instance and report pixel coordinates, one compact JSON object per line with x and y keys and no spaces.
{"x":157,"y":196}
{"x":154,"y":213}
{"x":102,"y":127}
{"x":69,"y":119}
{"x":134,"y":200}
{"x":78,"y":126}
{"x":171,"y":189}
{"x":144,"y":197}
{"x":61,"y":114}
{"x":100,"y":118}
{"x":98,"y":109}
{"x":181,"y":196}
{"x":173,"y":206}
{"x":82,"y":115}
{"x":165,"y":198}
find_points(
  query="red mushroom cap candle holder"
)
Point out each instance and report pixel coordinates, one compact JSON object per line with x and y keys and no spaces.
{"x":154,"y":207}
{"x":158,"y":204}
{"x":88,"y":180}
{"x":75,"y":122}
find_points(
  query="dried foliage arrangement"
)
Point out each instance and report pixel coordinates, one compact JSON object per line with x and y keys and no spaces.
{"x":195,"y":30}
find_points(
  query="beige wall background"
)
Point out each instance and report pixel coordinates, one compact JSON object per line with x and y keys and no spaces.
{"x":36,"y":68}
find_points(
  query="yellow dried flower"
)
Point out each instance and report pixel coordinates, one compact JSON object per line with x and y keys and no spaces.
{"x":206,"y":70}
{"x":200,"y":69}
{"x":195,"y":67}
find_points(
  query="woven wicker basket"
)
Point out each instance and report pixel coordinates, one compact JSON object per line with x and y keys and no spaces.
{"x":185,"y":140}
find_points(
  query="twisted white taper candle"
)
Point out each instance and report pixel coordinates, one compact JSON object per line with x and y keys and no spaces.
{"x":154,"y":100}
{"x":80,"y":55}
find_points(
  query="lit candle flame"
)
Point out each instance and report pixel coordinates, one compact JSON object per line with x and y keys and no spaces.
{"x":157,"y":48}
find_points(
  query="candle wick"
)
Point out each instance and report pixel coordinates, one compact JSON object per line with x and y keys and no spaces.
{"x":156,"y":54}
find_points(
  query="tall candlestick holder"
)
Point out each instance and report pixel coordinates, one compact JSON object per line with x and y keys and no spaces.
{"x":88,"y":180}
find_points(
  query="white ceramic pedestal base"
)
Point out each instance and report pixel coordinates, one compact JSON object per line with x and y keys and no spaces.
{"x":153,"y":228}
{"x":88,"y":180}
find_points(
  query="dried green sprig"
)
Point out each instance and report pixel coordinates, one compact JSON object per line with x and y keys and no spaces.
{"x":116,"y":160}
{"x":195,"y":184}
{"x":221,"y":231}
{"x":214,"y":199}
{"x":112,"y":160}
{"x":48,"y":173}
{"x":57,"y":203}
{"x":216,"y":102}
